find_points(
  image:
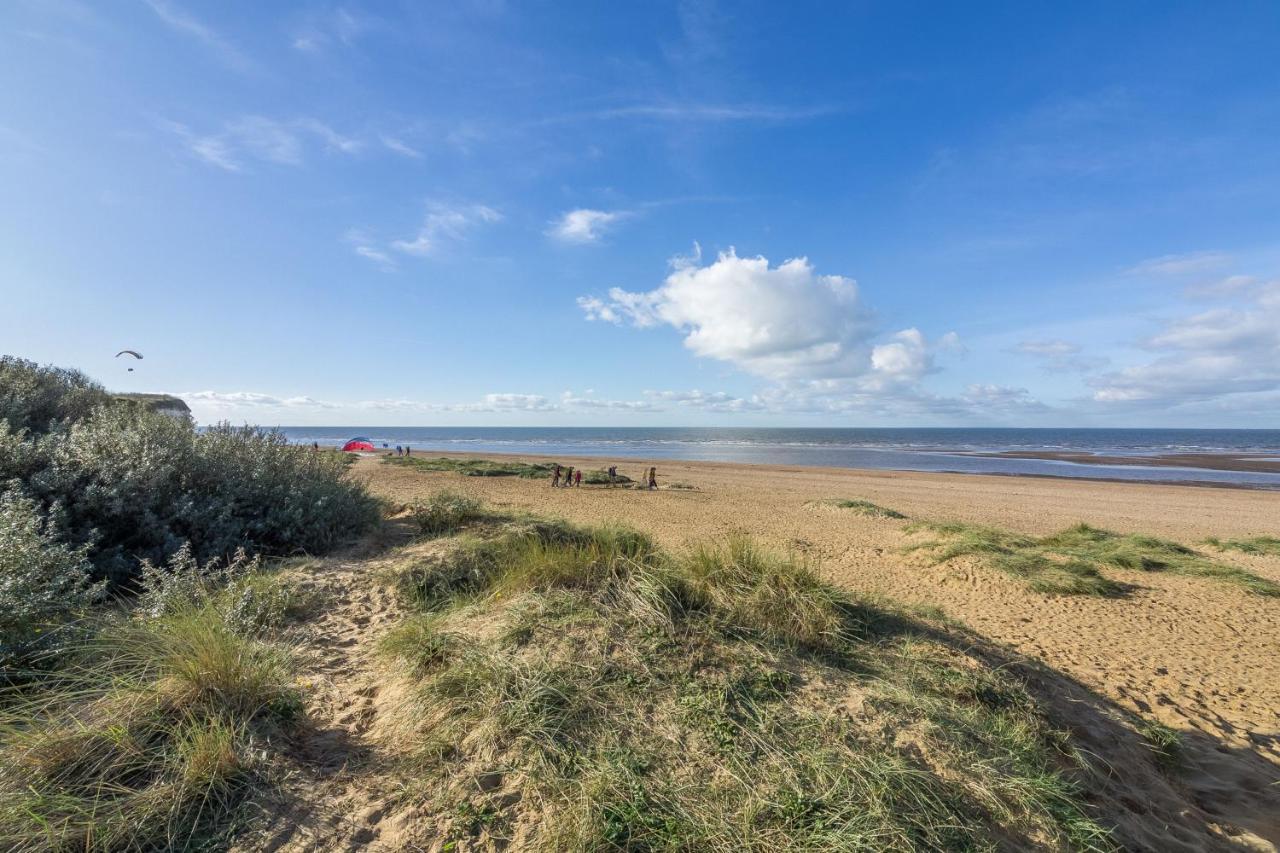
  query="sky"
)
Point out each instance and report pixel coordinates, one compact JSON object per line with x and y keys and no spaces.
{"x":650,"y":214}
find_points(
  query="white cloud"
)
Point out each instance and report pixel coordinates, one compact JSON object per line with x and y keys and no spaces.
{"x":1059,"y":356}
{"x":1233,"y":349}
{"x":1183,"y":264}
{"x":322,"y":29}
{"x":711,"y":401}
{"x":777,"y":322}
{"x":257,"y":138}
{"x":400,"y":147}
{"x":252,"y":399}
{"x":583,"y":225}
{"x":1052,"y":348}
{"x":444,"y":222}
{"x":587,"y":400}
{"x":365,"y":246}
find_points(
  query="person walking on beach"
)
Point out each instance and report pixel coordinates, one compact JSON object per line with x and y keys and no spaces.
{"x":555,"y":477}
{"x":406,"y":450}
{"x":398,"y":450}
{"x":577,"y":477}
{"x":653,"y":478}
{"x":613,"y":475}
{"x":568,"y":476}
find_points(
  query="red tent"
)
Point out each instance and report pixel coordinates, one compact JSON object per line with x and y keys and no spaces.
{"x":359,"y":443}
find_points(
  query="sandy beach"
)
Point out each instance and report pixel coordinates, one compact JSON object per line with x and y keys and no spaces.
{"x":1194,"y":653}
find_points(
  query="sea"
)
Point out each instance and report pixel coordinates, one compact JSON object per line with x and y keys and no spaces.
{"x":900,"y":449}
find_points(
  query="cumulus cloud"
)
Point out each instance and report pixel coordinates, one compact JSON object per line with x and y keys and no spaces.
{"x":1233,"y":349}
{"x":778,"y":322}
{"x":443,"y":223}
{"x":583,"y":225}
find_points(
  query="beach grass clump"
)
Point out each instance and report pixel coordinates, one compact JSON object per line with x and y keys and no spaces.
{"x":1164,"y":742}
{"x":699,"y":701}
{"x":600,"y":477}
{"x":1267,"y":545}
{"x":1071,"y":561}
{"x":477,"y":467}
{"x":150,"y":735}
{"x":862,"y":507}
{"x":444,"y":512}
{"x":1016,"y":555}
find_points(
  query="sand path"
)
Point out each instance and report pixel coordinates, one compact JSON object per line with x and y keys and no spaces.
{"x":1194,"y":653}
{"x":339,"y":792}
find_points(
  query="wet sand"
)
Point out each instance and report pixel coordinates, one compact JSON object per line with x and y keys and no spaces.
{"x":1255,"y":462}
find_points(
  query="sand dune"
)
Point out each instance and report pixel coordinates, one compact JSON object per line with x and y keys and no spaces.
{"x":1194,"y":653}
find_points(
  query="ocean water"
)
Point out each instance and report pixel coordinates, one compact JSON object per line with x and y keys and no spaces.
{"x":916,"y":449}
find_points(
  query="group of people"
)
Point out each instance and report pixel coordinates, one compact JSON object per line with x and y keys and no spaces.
{"x":403,"y":451}
{"x":568,"y":477}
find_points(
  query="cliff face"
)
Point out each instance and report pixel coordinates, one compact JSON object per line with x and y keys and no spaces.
{"x":165,"y":404}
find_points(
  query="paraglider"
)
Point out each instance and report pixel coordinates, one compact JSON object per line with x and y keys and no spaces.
{"x":358,"y":443}
{"x":133,"y":353}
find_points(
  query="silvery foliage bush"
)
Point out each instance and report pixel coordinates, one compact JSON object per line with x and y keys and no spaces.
{"x":43,"y":584}
{"x":39,"y":399}
{"x":138,"y":485}
{"x":248,"y":602}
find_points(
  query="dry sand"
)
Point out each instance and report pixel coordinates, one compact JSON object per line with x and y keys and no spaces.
{"x":1197,"y":654}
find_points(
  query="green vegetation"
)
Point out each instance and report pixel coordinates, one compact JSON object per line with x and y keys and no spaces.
{"x":154,"y":730}
{"x":444,"y":512}
{"x":725,"y":699}
{"x":477,"y":467}
{"x":1164,"y":742}
{"x":124,"y":484}
{"x":1269,"y":545}
{"x":1069,"y":562}
{"x":862,"y":507}
{"x":600,"y":477}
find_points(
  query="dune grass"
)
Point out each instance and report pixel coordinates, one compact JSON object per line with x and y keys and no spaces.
{"x":444,"y":512}
{"x":153,"y":732}
{"x":862,"y":507}
{"x":1269,"y":545}
{"x":477,"y":467}
{"x":580,"y":689}
{"x":1070,"y":562}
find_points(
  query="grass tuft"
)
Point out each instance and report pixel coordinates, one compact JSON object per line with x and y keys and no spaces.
{"x":1268,"y":545}
{"x":148,"y":739}
{"x":1164,"y":742}
{"x":1069,"y":562}
{"x":862,"y":507}
{"x":444,"y":512}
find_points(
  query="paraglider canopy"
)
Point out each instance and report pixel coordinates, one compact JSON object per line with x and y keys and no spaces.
{"x":131,"y":352}
{"x":358,"y":443}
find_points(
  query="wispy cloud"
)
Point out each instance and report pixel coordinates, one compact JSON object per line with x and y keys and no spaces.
{"x":322,"y":30}
{"x":366,"y":247}
{"x":696,"y":112}
{"x":444,"y":223}
{"x":182,"y":22}
{"x":1183,"y":264}
{"x":257,"y":138}
{"x":400,"y":147}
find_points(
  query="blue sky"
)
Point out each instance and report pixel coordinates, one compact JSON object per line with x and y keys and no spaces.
{"x":650,"y":214}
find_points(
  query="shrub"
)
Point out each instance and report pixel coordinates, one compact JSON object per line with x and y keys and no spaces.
{"x":43,"y":584}
{"x":41,"y":399}
{"x":136,"y":485}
